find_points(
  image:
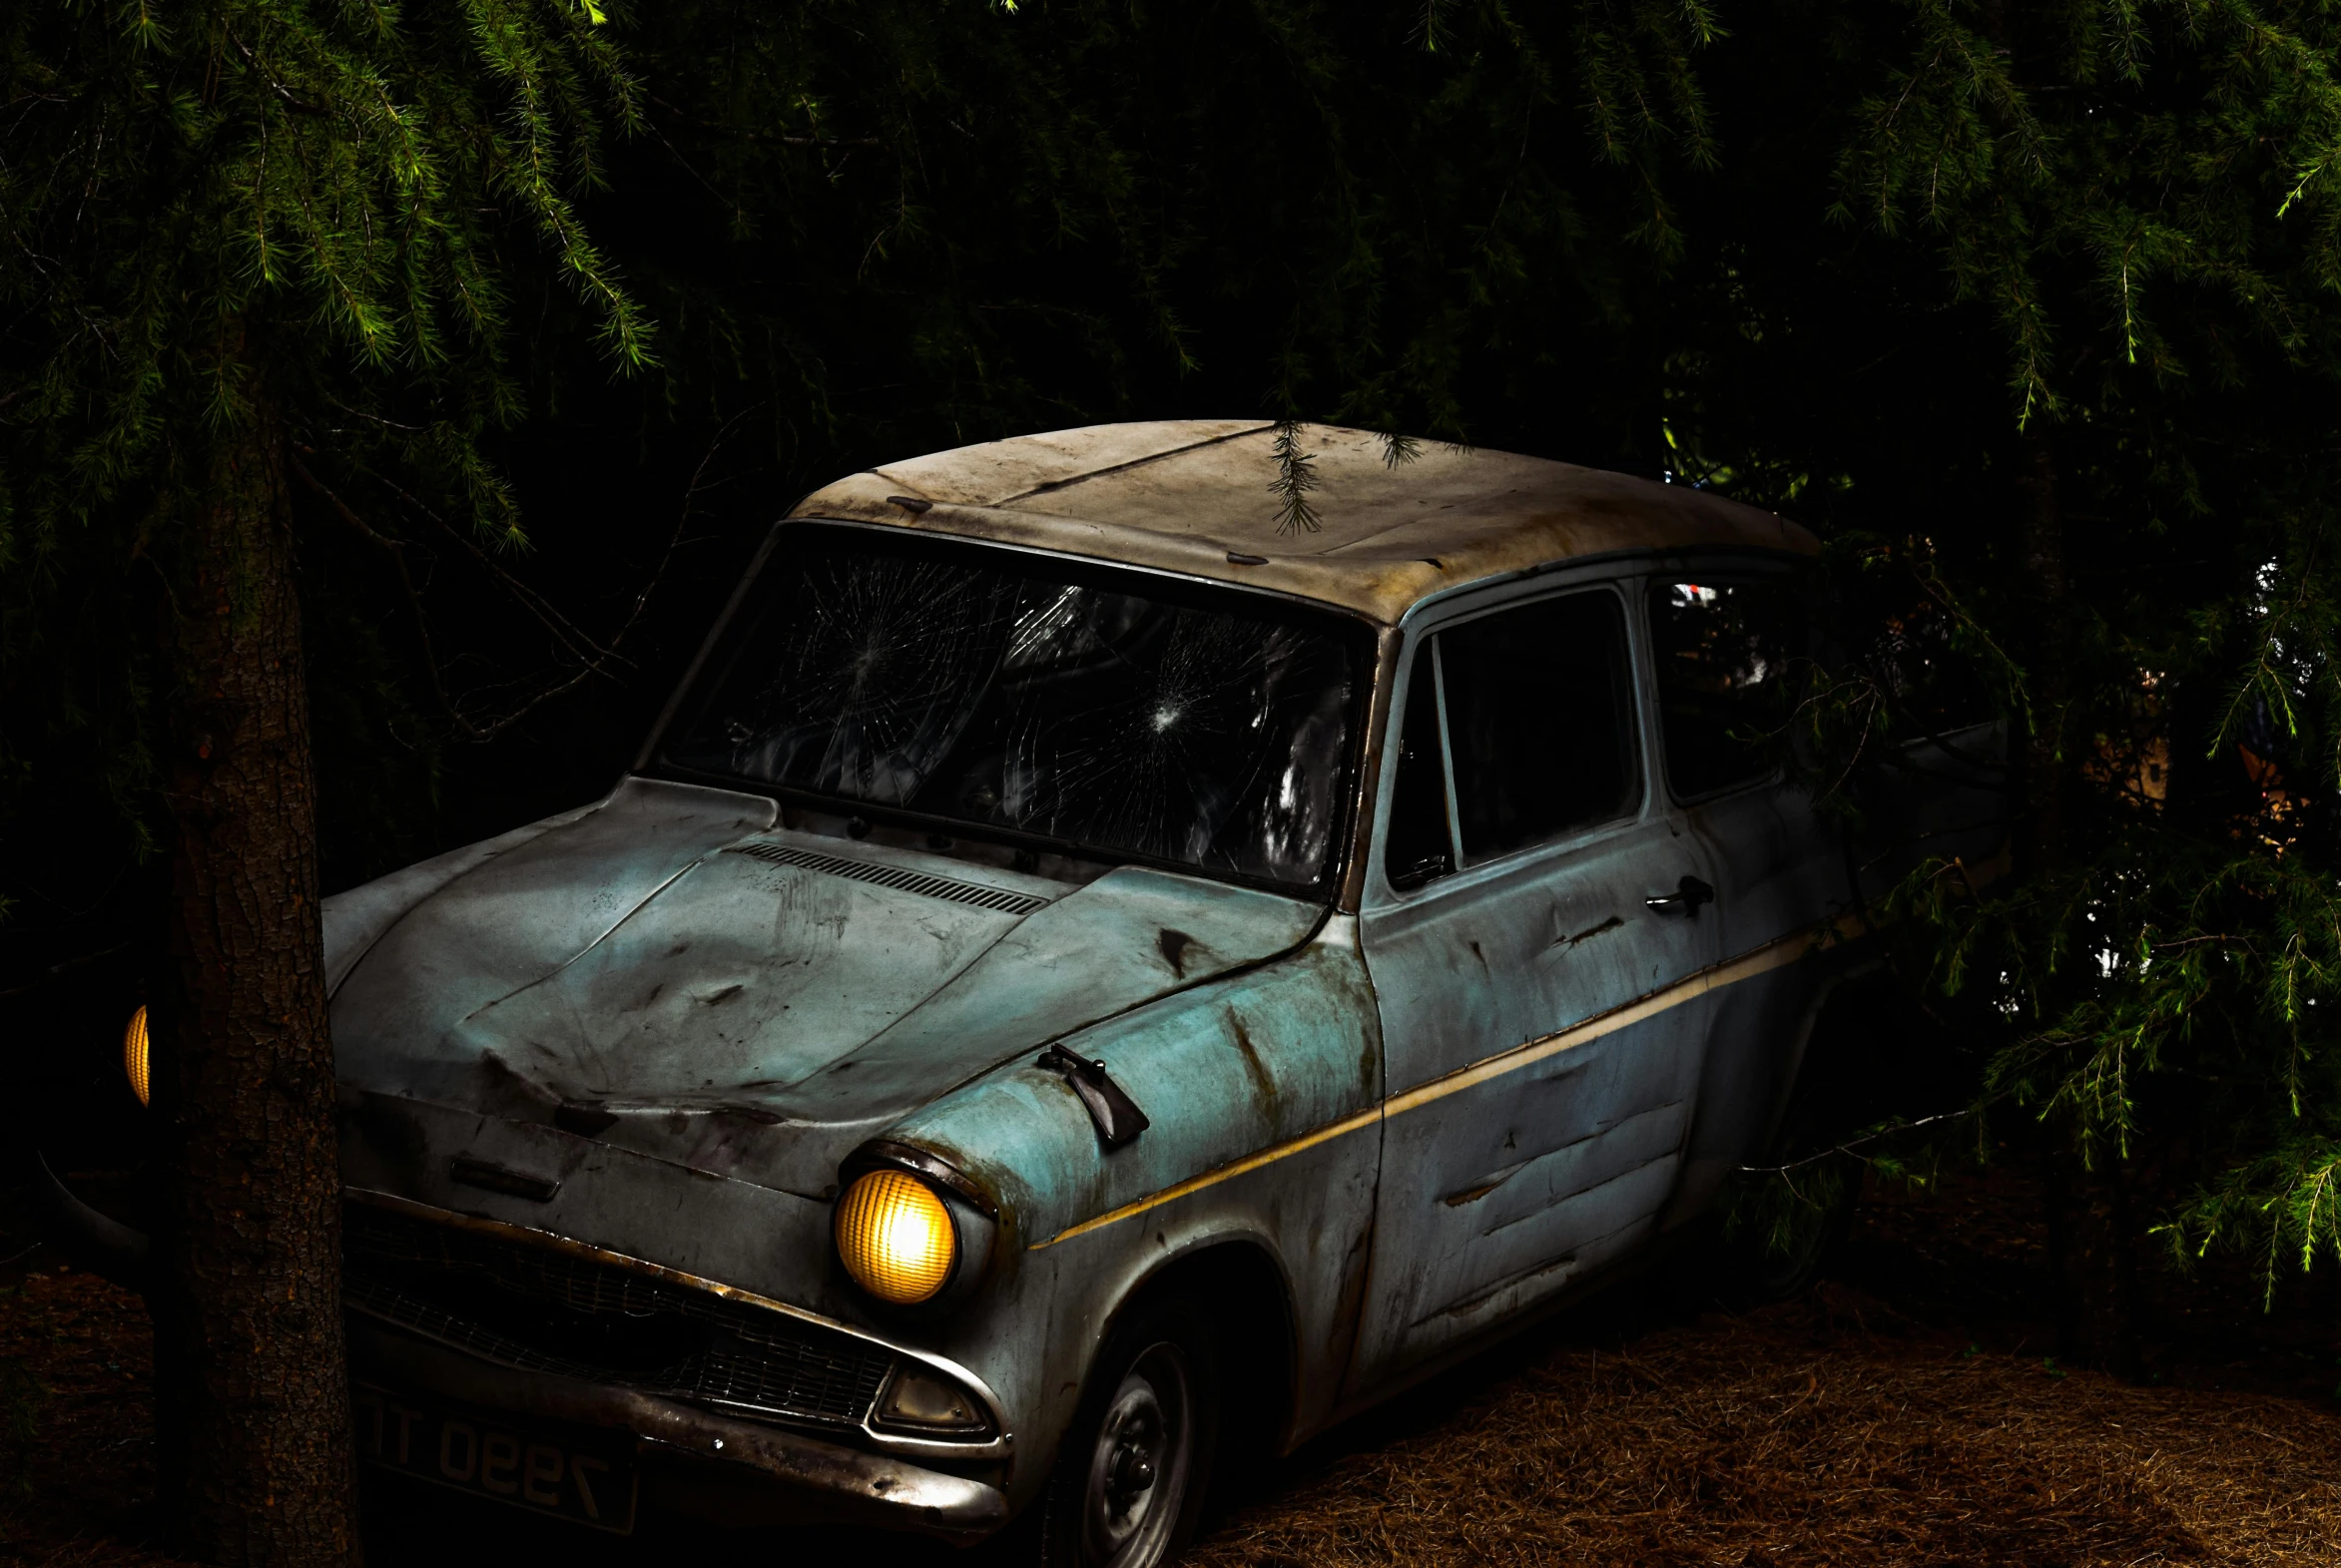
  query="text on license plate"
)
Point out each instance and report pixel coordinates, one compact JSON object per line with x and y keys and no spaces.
{"x":488,"y":1456}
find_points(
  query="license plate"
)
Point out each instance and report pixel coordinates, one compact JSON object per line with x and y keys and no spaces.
{"x":565,"y":1474}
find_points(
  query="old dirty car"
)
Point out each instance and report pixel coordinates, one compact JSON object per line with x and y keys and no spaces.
{"x":1079,"y":980}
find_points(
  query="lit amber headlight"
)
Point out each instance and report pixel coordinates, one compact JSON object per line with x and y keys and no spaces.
{"x":895,"y":1237}
{"x":134,"y":1054}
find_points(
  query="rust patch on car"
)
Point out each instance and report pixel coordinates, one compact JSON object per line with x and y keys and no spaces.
{"x":1174,"y":945}
{"x":1349,"y":1309}
{"x":1611,"y":924}
{"x":1263,"y":1082}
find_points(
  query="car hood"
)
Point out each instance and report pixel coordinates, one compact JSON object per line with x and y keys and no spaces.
{"x":673,"y":974}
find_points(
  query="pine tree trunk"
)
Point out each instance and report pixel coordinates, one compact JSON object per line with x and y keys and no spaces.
{"x":2092,"y":1255}
{"x":2093,"y":1252}
{"x":251,"y":1391}
{"x":2041,"y":839}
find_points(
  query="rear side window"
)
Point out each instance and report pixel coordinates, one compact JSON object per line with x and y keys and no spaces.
{"x":1726,"y":655}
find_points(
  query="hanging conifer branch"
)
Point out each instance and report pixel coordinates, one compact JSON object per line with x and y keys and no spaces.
{"x":1295,"y":479}
{"x":276,"y":211}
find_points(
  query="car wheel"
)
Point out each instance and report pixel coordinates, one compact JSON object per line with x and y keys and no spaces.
{"x":1129,"y":1482}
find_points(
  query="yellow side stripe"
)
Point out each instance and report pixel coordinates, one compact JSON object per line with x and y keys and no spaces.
{"x":1212,"y":1178}
{"x":1762,"y":960}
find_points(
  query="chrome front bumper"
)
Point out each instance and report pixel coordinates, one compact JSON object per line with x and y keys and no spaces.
{"x":803,"y":1479}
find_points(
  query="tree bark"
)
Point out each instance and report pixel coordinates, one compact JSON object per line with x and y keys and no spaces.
{"x":2040,"y":845}
{"x":252,"y":1389}
{"x":2092,"y":1255}
{"x":2093,"y":1248}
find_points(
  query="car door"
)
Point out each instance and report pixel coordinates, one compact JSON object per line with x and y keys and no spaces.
{"x":1728,"y":642}
{"x":1533,"y":923}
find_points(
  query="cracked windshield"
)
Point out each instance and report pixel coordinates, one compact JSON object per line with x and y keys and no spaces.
{"x":1122,"y":713}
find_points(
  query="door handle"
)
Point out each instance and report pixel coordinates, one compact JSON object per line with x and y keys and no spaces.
{"x":1688,"y":894}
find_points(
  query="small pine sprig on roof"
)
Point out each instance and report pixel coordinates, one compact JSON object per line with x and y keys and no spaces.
{"x":1295,"y":479}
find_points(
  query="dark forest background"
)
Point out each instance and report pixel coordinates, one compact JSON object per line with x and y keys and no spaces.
{"x":2029,"y":310}
{"x":1610,"y":235}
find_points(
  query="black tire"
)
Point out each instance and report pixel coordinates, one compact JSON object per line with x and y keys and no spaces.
{"x":1130,"y":1480}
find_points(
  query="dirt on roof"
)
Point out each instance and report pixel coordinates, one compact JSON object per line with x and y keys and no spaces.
{"x":1199,"y":497}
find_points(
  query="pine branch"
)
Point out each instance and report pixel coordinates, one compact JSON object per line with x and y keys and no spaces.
{"x":594,"y":659}
{"x":1295,"y":479}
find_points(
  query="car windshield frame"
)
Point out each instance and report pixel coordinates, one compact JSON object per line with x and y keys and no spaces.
{"x":1353,"y":633}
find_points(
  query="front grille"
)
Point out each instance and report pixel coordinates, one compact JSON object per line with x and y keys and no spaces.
{"x":542,"y":1310}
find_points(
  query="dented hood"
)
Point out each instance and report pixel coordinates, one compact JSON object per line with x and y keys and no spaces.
{"x":673,"y":974}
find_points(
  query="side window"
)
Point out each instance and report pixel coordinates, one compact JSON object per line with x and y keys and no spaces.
{"x":1726,"y":687}
{"x":1540,"y":715}
{"x":1419,"y":846}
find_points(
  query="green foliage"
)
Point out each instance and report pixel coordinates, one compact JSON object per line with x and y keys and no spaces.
{"x":1919,"y":275}
{"x":946,"y":221}
{"x":2082,"y":275}
{"x":317,"y":221}
{"x":2192,"y":119}
{"x":1294,"y":480}
{"x":238,"y":202}
{"x":1777,"y":1213}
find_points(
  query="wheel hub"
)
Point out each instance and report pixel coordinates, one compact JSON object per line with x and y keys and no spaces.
{"x":1138,"y":1468}
{"x":1132,"y":1472}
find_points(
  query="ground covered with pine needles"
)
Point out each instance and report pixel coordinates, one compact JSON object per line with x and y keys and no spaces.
{"x":1801,"y":1435}
{"x":1905,"y":1411}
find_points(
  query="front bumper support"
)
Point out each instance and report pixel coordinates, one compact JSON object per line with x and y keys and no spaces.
{"x":822,"y":1482}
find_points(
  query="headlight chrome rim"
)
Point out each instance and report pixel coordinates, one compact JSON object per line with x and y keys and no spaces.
{"x":897,"y":1237}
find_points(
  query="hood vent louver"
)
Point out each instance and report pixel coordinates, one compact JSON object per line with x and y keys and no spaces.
{"x":998,"y":899}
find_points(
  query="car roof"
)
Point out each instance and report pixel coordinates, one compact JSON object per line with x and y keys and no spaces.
{"x":1197,"y":496}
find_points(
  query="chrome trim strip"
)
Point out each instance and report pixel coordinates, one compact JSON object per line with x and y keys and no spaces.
{"x":529,"y":1236}
{"x":870,"y":1489}
{"x":1772,"y":956}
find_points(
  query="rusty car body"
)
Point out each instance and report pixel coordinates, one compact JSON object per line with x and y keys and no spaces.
{"x":1258,"y":1074}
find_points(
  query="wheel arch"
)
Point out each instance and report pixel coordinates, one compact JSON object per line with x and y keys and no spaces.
{"x":1259,"y":1370}
{"x":1825,"y":993}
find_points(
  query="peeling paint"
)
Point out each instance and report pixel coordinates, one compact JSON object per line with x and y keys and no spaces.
{"x":1613,"y":923}
{"x":676,"y":1012}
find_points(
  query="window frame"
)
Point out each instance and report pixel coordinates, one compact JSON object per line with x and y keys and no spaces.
{"x":1740,"y":568}
{"x":1342,"y":840}
{"x":1622,"y":581}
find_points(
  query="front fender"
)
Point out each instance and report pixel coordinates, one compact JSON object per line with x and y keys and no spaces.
{"x":97,"y":1242}
{"x":1262,"y":1090}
